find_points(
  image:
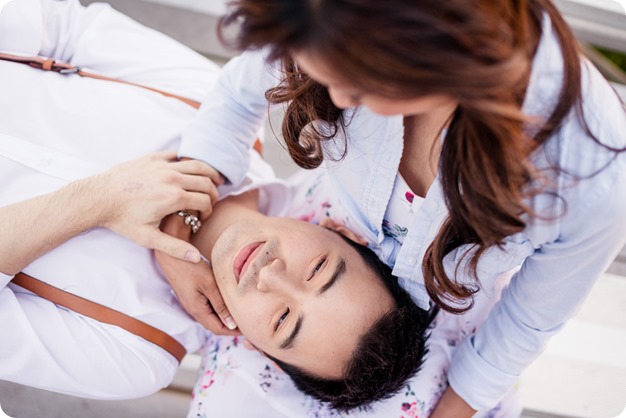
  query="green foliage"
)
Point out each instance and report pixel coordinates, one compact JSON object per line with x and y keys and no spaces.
{"x":618,"y":58}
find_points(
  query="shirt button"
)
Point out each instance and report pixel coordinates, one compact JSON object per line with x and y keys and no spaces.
{"x":412,"y":260}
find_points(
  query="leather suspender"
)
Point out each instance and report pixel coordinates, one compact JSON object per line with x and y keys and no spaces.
{"x":48,"y":64}
{"x":76,"y":303}
{"x":101,"y":313}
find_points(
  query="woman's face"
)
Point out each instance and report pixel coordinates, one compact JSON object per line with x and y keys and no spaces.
{"x":298,"y":292}
{"x":345,"y":96}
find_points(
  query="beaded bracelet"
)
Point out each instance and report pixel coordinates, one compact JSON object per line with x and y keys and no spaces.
{"x":191,"y":220}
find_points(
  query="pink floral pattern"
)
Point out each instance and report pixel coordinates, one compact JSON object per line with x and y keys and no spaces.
{"x":409,"y":410}
{"x":232,"y":378}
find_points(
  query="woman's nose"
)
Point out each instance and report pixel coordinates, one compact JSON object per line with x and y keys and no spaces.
{"x":341,"y":99}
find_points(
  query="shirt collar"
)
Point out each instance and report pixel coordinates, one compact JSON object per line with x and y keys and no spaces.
{"x":546,"y":77}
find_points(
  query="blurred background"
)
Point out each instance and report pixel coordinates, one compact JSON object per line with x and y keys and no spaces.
{"x":583,"y":371}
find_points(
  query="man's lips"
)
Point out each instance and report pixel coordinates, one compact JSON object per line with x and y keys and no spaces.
{"x":244,"y":258}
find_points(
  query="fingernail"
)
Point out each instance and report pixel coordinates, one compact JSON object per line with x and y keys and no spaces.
{"x":230,"y":323}
{"x":193,"y":256}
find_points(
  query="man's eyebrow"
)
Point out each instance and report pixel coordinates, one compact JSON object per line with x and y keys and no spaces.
{"x":288,"y":343}
{"x":339,"y":271}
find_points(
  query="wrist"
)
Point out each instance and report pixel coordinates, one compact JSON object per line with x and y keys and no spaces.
{"x":174,"y":225}
{"x":85,"y":204}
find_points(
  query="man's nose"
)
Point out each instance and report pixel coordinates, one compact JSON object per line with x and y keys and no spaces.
{"x":273,"y":277}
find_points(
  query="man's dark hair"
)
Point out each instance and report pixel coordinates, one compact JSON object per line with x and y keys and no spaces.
{"x":387,"y":355}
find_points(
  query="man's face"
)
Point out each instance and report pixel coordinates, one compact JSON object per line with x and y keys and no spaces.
{"x":298,"y":291}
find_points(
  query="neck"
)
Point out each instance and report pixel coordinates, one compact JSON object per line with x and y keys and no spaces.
{"x":225,"y":213}
{"x":422,"y":145}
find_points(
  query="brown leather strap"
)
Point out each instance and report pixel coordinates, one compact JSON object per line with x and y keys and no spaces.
{"x":101,"y":313}
{"x":48,"y":64}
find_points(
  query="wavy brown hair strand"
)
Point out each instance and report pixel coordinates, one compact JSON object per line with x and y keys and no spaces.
{"x":309,"y":105}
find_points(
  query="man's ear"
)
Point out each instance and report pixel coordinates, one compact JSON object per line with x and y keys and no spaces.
{"x":249,"y":345}
{"x":329,"y":223}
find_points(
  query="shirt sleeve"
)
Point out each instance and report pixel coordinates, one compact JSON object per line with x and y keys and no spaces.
{"x":230,"y":117}
{"x":50,"y":348}
{"x":547,"y":291}
{"x":45,"y":27}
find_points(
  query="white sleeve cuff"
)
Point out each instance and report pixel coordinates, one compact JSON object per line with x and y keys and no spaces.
{"x":229,"y":159}
{"x":475,"y":380}
{"x":4,"y":280}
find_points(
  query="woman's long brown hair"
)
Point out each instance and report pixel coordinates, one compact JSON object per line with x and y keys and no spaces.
{"x":478,"y":52}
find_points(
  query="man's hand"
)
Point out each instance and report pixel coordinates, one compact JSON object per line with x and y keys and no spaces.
{"x":195,"y":284}
{"x":452,"y":405}
{"x":133,"y":197}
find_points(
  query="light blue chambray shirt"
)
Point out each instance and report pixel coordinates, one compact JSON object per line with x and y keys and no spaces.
{"x":560,"y":258}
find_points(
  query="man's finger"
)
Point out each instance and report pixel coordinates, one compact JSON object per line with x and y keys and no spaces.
{"x":200,"y":184}
{"x":219,"y":307}
{"x":198,"y":201}
{"x":174,"y":247}
{"x":212,"y":293}
{"x":200,"y":168}
{"x":213,"y":323}
{"x":164,"y":155}
{"x":199,"y":308}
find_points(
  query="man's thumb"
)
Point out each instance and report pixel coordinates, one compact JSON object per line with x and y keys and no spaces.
{"x":175,"y":247}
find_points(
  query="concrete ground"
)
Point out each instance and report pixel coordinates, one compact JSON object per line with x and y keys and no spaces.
{"x":581,"y":374}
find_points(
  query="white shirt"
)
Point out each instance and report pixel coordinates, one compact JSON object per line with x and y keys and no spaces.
{"x":55,"y":129}
{"x":560,"y":258}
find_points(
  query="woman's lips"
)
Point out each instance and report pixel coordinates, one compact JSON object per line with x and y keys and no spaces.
{"x":244,"y":258}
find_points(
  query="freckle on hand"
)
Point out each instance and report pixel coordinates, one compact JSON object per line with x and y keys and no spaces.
{"x":133,"y":187}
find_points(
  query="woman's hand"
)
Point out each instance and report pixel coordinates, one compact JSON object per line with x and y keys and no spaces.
{"x":195,"y":284}
{"x":133,"y":197}
{"x":451,"y":405}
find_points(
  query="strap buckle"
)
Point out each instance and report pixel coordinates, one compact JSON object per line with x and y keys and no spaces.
{"x":73,"y":70}
{"x":49,"y":64}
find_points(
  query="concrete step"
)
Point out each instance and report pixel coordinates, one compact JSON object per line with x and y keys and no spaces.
{"x":23,"y":402}
{"x":583,"y":371}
